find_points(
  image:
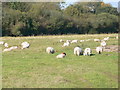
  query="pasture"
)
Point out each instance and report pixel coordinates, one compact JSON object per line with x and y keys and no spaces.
{"x":34,"y":68}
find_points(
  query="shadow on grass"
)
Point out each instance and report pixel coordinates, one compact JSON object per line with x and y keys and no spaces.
{"x":92,"y":55}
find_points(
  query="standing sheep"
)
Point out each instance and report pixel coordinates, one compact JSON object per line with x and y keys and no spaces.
{"x":6,"y":44}
{"x":67,"y":43}
{"x":99,"y":50}
{"x":50,"y":50}
{"x":78,"y":51}
{"x":87,"y":51}
{"x":103,"y":44}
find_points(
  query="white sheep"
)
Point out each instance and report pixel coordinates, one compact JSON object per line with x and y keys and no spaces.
{"x":103,"y":44}
{"x":87,"y":51}
{"x":62,"y":55}
{"x":74,"y":41}
{"x":106,"y":39}
{"x":99,"y":50}
{"x":25,"y":45}
{"x":78,"y":51}
{"x":97,"y":40}
{"x":66,"y":44}
{"x":6,"y":44}
{"x":82,"y":40}
{"x":13,"y":47}
{"x":7,"y":49}
{"x":61,"y":40}
{"x":116,"y":37}
{"x":50,"y":50}
{"x":1,"y":42}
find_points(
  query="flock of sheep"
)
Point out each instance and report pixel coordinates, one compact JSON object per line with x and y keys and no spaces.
{"x":7,"y":48}
{"x":77,"y":50}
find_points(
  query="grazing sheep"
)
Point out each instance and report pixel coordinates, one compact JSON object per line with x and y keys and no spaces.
{"x":50,"y":50}
{"x":103,"y":43}
{"x":106,"y":39}
{"x":74,"y":41}
{"x":25,"y":45}
{"x":6,"y":44}
{"x":97,"y":40}
{"x":62,"y":55}
{"x":1,"y":42}
{"x":78,"y":51}
{"x":87,"y":51}
{"x":82,"y":40}
{"x":99,"y":50}
{"x":66,"y":44}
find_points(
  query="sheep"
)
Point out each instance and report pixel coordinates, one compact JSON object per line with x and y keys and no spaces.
{"x":66,"y":44}
{"x":116,"y":37}
{"x":87,"y":51}
{"x":6,"y":44}
{"x":96,"y":40}
{"x":1,"y":42}
{"x":25,"y":45}
{"x":99,"y":50}
{"x":103,"y":44}
{"x":62,"y":55}
{"x":106,"y":39}
{"x":74,"y":41}
{"x":78,"y":51}
{"x":82,"y":40}
{"x":50,"y":50}
{"x":61,"y":40}
{"x":11,"y":48}
{"x":7,"y":49}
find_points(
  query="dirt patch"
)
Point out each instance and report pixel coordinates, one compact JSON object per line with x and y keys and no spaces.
{"x":112,"y":48}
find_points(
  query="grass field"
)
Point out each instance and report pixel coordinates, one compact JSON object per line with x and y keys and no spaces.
{"x":34,"y":68}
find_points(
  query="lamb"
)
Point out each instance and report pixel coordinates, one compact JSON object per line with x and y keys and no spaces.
{"x":103,"y":43}
{"x":62,"y":55}
{"x":96,"y":40}
{"x":99,"y":50}
{"x":78,"y":51}
{"x":50,"y":50}
{"x":6,"y":44}
{"x":1,"y":42}
{"x":25,"y":45}
{"x":74,"y":41}
{"x":87,"y":51}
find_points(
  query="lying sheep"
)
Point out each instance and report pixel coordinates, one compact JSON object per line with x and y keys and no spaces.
{"x":1,"y":42}
{"x":99,"y":50}
{"x":74,"y":41}
{"x":87,"y":51}
{"x":62,"y":55}
{"x":6,"y":44}
{"x":82,"y":40}
{"x":97,"y":40}
{"x":106,"y":39}
{"x":10,"y":49}
{"x":50,"y":50}
{"x":78,"y":51}
{"x":25,"y":45}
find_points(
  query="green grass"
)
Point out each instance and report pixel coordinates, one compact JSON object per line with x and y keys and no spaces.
{"x":34,"y":68}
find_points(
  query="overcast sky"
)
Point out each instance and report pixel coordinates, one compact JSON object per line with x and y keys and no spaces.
{"x":114,"y":3}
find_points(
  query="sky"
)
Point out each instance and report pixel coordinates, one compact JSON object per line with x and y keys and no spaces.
{"x":114,"y":3}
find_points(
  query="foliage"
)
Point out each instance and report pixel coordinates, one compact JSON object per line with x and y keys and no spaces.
{"x":20,"y":18}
